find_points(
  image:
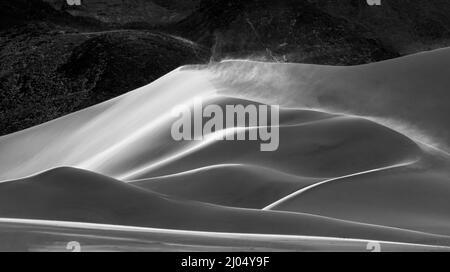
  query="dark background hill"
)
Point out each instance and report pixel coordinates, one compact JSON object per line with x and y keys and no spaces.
{"x":283,"y":30}
{"x":408,"y":26}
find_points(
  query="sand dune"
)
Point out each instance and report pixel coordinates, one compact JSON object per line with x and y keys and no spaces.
{"x":243,"y":186}
{"x":312,"y":143}
{"x":68,"y":194}
{"x":410,"y":197}
{"x":363,"y":155}
{"x":409,"y":94}
{"x":326,"y":148}
{"x":104,"y":134}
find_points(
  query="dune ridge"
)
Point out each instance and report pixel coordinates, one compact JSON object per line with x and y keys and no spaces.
{"x":243,"y":186}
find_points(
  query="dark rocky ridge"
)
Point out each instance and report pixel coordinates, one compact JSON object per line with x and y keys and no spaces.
{"x":53,"y":63}
{"x":119,"y":12}
{"x":20,"y":12}
{"x":284,"y":30}
{"x":408,"y":26}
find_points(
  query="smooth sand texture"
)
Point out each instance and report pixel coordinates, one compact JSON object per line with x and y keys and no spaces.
{"x":69,"y":194}
{"x":408,"y":197}
{"x":243,"y":186}
{"x":325,"y":148}
{"x":57,"y":236}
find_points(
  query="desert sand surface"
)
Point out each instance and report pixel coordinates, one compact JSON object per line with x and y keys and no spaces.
{"x":54,"y":236}
{"x":363,"y":155}
{"x":69,"y":194}
{"x":74,"y":195}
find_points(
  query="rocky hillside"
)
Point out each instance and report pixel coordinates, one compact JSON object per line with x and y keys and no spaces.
{"x":20,"y":12}
{"x":408,"y":26}
{"x":52,"y":63}
{"x":178,"y":5}
{"x":282,"y":30}
{"x":319,"y":31}
{"x":118,"y":12}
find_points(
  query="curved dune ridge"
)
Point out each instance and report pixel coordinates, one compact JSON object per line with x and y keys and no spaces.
{"x":312,"y":144}
{"x":244,"y":186}
{"x":409,"y":94}
{"x":403,"y":197}
{"x":354,"y":160}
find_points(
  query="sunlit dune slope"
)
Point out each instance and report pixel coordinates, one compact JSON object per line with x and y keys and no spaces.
{"x":98,"y":135}
{"x":119,"y":140}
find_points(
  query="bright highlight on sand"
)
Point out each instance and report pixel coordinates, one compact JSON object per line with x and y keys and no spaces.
{"x":227,"y":123}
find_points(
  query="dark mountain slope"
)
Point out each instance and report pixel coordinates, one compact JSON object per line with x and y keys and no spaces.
{"x":53,"y":63}
{"x":21,"y":12}
{"x":285,"y":30}
{"x":408,"y":26}
{"x":118,"y":12}
{"x":178,"y":5}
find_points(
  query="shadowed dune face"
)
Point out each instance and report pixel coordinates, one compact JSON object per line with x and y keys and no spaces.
{"x":407,"y":197}
{"x":74,"y":195}
{"x":243,"y":186}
